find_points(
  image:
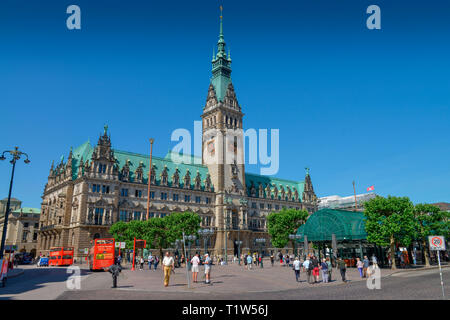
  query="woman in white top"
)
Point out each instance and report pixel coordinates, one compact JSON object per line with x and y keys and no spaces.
{"x":195,"y":261}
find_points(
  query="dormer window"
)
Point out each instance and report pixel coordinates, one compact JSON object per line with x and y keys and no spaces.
{"x":102,"y":168}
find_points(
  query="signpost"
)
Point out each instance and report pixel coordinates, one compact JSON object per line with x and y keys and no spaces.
{"x":437,"y":243}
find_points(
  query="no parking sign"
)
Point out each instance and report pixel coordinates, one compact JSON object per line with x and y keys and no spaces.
{"x":436,"y":242}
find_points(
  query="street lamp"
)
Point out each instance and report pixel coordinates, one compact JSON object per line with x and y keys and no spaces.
{"x":206,"y":233}
{"x":227,"y":222}
{"x":243,"y":203}
{"x":189,"y":239}
{"x":178,"y":242}
{"x":261,"y":242}
{"x":16,"y":154}
{"x":238,"y":244}
{"x":294,"y":238}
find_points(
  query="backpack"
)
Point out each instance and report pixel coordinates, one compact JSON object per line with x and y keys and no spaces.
{"x":310,"y":265}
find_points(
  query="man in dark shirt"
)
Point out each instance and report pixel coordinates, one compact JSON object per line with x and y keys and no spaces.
{"x":342,"y":268}
{"x":115,"y":270}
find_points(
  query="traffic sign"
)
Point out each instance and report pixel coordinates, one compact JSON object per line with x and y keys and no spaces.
{"x":436,"y":242}
{"x":117,"y":244}
{"x":86,"y":250}
{"x":122,"y":245}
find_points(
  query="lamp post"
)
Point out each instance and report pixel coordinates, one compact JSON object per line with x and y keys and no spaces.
{"x":294,"y":238}
{"x":239,"y":243}
{"x":206,"y":234}
{"x":177,"y":244}
{"x":16,"y":154}
{"x":187,"y":266}
{"x":243,"y":203}
{"x":260,"y":241}
{"x":188,"y":259}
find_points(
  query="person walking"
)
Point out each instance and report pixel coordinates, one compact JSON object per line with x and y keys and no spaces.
{"x":307,"y":265}
{"x":315,"y":271}
{"x":330,"y":269}
{"x":324,"y":269}
{"x":115,"y":270}
{"x":168,"y":266}
{"x":342,"y":268}
{"x":150,"y":261}
{"x":119,"y":260}
{"x":195,"y":261}
{"x":365,"y":266}
{"x":296,"y":267}
{"x":360,"y":266}
{"x":260,"y":261}
{"x":375,"y":261}
{"x":156,"y":262}
{"x":207,"y":265}
{"x":272,"y":259}
{"x":249,"y":262}
{"x":141,"y":265}
{"x":287,"y":260}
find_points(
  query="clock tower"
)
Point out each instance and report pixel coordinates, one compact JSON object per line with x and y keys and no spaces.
{"x":222,"y":147}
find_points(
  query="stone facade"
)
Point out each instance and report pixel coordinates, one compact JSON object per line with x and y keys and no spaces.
{"x":23,"y":228}
{"x":99,"y":185}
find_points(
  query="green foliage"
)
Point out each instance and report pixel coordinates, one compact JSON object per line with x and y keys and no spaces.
{"x":390,"y":219}
{"x":187,"y":222}
{"x":431,"y":221}
{"x":158,"y":232}
{"x":283,"y":223}
{"x":120,"y":232}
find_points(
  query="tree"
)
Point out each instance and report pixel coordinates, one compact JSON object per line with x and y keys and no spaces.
{"x":283,"y":223}
{"x":179,"y":222}
{"x":390,"y":221}
{"x":121,"y":232}
{"x":159,"y":233}
{"x":430,"y":221}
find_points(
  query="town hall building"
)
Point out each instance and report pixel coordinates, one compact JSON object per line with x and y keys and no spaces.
{"x":99,"y":185}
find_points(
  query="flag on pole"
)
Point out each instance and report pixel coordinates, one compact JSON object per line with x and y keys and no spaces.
{"x":371,"y":188}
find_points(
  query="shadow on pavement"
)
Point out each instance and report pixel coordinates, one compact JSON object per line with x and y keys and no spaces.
{"x":35,"y":278}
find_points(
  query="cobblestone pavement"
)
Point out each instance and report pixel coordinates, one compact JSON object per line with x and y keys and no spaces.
{"x":230,"y":282}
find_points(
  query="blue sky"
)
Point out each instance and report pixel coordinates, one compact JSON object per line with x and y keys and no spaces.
{"x":350,"y":103}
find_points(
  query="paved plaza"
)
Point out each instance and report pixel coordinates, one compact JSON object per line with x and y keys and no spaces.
{"x":231,"y":282}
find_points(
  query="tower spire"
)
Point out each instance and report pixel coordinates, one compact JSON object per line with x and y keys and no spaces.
{"x":221,"y":21}
{"x":221,"y":65}
{"x":221,"y":43}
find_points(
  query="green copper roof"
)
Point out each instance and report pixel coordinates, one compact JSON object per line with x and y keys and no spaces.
{"x":346,"y":225}
{"x":28,"y":210}
{"x":264,"y":180}
{"x":85,"y":151}
{"x":159,"y":164}
{"x":190,"y":163}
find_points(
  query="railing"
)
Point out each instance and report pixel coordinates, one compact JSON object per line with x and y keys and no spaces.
{"x":45,"y":228}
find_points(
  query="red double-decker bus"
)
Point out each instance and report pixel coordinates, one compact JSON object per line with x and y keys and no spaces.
{"x":61,"y":256}
{"x":102,"y":254}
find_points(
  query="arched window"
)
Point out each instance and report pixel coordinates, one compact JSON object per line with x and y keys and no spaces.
{"x":96,"y":236}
